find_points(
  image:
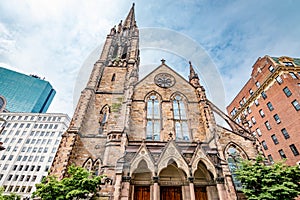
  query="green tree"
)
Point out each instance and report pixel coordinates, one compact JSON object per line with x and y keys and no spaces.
{"x":269,"y":182}
{"x":11,"y":196}
{"x":79,"y":183}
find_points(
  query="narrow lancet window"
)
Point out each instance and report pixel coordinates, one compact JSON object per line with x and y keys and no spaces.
{"x":180,"y":119}
{"x":113,"y":78}
{"x":103,"y":118}
{"x":153,"y":118}
{"x":233,"y":159}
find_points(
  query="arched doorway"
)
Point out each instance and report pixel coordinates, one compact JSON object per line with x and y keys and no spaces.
{"x":203,"y":183}
{"x":141,"y":181}
{"x":172,"y":181}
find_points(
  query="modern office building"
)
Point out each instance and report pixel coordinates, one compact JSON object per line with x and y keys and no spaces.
{"x":269,"y":105}
{"x":31,"y":141}
{"x":22,"y":93}
{"x":154,"y":138}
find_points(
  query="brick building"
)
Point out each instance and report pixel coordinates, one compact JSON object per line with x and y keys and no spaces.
{"x":154,"y":138}
{"x":269,"y":105}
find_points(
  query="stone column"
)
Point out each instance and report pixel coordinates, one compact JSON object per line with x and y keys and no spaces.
{"x":155,"y":188}
{"x":192,"y":189}
{"x":125,"y":191}
{"x":117,"y":186}
{"x":221,"y":188}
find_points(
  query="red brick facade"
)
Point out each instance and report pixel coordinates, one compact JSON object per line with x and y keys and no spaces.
{"x":275,"y":86}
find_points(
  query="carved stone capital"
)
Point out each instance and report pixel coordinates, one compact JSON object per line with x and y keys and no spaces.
{"x":155,"y":179}
{"x":126,"y":179}
{"x":220,"y":180}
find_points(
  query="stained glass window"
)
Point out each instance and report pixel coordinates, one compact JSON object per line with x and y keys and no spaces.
{"x":153,"y":118}
{"x":180,"y":119}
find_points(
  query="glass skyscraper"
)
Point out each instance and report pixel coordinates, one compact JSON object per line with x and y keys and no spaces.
{"x":23,"y":93}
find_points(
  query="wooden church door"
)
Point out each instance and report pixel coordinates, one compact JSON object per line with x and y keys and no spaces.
{"x":142,"y":193}
{"x":170,"y":193}
{"x":200,"y":193}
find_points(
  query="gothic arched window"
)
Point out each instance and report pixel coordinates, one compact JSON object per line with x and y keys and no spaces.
{"x":234,"y":158}
{"x":96,"y":167}
{"x":103,"y":117}
{"x":180,"y":119}
{"x":153,"y":118}
{"x":124,"y":54}
{"x":116,"y":51}
{"x":88,"y":164}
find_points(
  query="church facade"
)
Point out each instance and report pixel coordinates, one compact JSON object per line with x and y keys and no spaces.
{"x":154,"y":138}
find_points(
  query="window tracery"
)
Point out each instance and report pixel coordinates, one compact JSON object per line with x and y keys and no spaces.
{"x":153,"y":118}
{"x":180,"y":118}
{"x":234,"y":157}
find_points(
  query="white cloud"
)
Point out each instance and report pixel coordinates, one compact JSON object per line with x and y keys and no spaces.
{"x":54,"y":38}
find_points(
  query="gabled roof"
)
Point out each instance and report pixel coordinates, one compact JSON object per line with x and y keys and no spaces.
{"x":156,"y":69}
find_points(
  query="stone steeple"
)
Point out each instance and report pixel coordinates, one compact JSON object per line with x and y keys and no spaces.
{"x":130,"y":19}
{"x":193,"y":77}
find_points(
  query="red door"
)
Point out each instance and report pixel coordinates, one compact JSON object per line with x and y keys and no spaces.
{"x":142,"y":193}
{"x":170,"y":193}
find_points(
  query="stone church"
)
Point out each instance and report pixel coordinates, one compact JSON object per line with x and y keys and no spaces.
{"x":154,"y":138}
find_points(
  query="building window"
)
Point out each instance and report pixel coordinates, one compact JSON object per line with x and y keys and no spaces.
{"x":264,"y":144}
{"x":287,"y":91}
{"x":271,"y":68}
{"x":294,"y":150}
{"x":234,"y":158}
{"x":296,"y":105}
{"x":279,"y":80}
{"x":113,"y":78}
{"x":288,"y":63}
{"x":264,"y":95}
{"x":268,"y":126}
{"x":103,"y":117}
{"x":3,"y":157}
{"x":277,"y":119}
{"x":249,"y":110}
{"x":5,"y":167}
{"x":274,"y":138}
{"x":10,"y":157}
{"x":180,"y":119}
{"x":282,"y":154}
{"x":256,"y":102}
{"x":270,"y":106}
{"x":9,"y":177}
{"x":293,"y":75}
{"x":241,"y":103}
{"x":261,"y":112}
{"x":251,"y":92}
{"x":253,"y":120}
{"x":285,"y":133}
{"x":258,"y":132}
{"x":153,"y":118}
{"x":257,"y":84}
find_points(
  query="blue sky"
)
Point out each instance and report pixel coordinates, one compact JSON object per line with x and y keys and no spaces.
{"x":53,"y":39}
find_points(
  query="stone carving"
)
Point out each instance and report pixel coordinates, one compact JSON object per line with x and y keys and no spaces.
{"x":164,"y":80}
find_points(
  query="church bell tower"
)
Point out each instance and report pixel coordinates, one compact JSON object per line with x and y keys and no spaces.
{"x":99,"y":127}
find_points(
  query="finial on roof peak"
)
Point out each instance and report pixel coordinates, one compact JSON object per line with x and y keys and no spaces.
{"x":163,"y":61}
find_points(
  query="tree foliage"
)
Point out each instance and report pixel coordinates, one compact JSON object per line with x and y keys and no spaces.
{"x":80,"y":183}
{"x":11,"y":196}
{"x":269,"y":182}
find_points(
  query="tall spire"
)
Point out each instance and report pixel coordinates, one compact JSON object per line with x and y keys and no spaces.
{"x":130,"y":19}
{"x":193,"y":74}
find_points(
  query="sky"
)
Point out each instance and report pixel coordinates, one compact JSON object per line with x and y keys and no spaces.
{"x":60,"y":40}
